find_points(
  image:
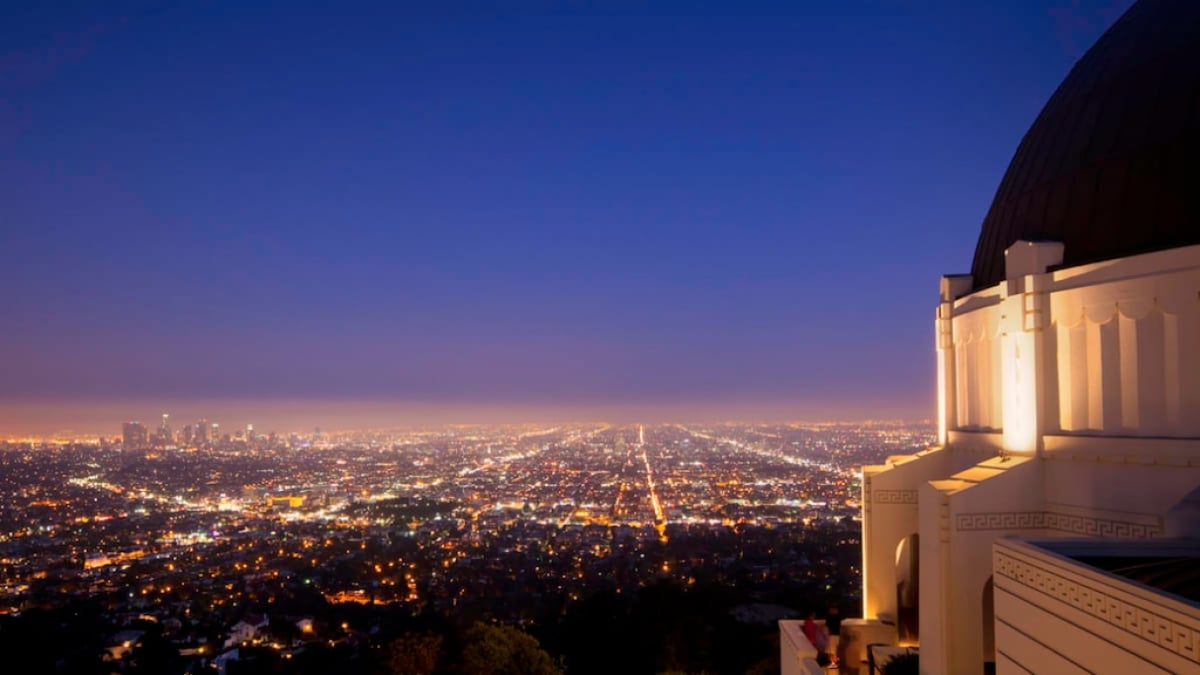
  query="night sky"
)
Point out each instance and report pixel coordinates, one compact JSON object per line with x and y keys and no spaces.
{"x":585,"y":206}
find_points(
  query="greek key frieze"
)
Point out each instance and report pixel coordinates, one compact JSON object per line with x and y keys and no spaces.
{"x":1049,"y":520}
{"x":894,"y":496}
{"x":1104,"y":605}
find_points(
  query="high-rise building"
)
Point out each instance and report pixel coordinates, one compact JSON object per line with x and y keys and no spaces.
{"x":164,"y":431}
{"x":201,"y":432}
{"x":134,"y":436}
{"x":189,"y":433}
{"x":1055,"y":527}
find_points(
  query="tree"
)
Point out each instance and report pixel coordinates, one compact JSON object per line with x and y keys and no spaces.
{"x":282,"y":630}
{"x":414,"y":654}
{"x":154,"y":653}
{"x":902,"y":664}
{"x":504,"y":650}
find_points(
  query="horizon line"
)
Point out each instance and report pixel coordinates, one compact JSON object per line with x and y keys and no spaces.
{"x":79,"y":417}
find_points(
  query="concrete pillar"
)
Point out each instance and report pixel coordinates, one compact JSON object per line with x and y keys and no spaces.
{"x":936,"y":574}
{"x":951,"y":287}
{"x":993,"y":499}
{"x":1027,"y":360}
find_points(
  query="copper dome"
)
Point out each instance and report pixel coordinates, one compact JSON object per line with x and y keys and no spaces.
{"x":1111,"y":166}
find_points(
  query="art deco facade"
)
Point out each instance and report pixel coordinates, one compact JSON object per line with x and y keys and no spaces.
{"x":1052,"y":530}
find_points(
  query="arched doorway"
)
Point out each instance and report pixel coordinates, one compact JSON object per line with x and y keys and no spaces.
{"x":908,"y":587}
{"x":989,"y":627}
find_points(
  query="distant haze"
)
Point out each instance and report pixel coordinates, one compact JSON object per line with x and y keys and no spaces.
{"x":88,"y":418}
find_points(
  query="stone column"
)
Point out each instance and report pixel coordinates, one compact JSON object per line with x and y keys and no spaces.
{"x":952,"y":286}
{"x":1025,"y":361}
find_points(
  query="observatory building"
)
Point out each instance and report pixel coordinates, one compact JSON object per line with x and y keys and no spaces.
{"x":1055,"y":528}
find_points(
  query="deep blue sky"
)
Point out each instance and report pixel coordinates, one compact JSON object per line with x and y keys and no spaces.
{"x":654,"y":203}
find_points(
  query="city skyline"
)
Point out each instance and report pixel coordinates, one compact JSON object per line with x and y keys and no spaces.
{"x":89,"y":421}
{"x":596,"y":210}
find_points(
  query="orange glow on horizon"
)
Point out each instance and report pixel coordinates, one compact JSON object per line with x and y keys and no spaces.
{"x":59,"y":421}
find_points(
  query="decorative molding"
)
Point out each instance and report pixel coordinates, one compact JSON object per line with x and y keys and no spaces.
{"x":1089,"y":526}
{"x":1101,"y":527}
{"x":1098,"y":602}
{"x":1005,"y":520}
{"x":894,"y":497}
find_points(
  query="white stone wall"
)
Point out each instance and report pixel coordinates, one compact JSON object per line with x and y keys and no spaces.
{"x":890,"y":494}
{"x":1054,"y":615}
{"x":797,"y":656}
{"x":977,"y":365}
{"x":1114,"y":498}
{"x":1068,"y":406}
{"x":960,"y":518}
{"x":1127,"y":355}
{"x":1111,"y":348}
